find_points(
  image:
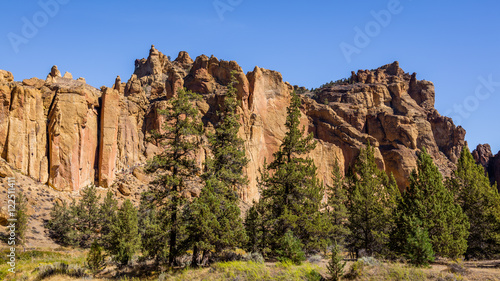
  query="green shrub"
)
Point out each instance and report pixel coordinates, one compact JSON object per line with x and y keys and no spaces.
{"x":356,"y":270}
{"x":96,"y":260}
{"x":290,"y":248}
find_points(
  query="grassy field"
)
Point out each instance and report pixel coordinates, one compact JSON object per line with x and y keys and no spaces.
{"x":69,"y":264}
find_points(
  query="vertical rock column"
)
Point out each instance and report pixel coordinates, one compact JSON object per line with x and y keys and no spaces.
{"x":27,"y":142}
{"x":108,"y":147}
{"x":73,"y":138}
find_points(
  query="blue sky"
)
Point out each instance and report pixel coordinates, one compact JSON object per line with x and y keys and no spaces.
{"x":454,"y":44}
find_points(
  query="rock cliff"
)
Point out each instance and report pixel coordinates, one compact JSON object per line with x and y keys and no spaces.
{"x":67,"y":134}
{"x":491,"y":163}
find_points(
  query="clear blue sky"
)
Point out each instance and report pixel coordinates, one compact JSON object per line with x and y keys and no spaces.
{"x":451,"y":43}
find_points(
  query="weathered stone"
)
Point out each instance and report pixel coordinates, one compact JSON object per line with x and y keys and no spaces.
{"x":73,"y":138}
{"x":123,"y":188}
{"x":108,"y":146}
{"x":5,"y":170}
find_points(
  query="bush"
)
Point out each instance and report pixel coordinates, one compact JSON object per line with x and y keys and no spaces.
{"x":255,"y":257}
{"x":356,"y":270}
{"x":315,"y":259}
{"x":458,"y":267}
{"x":57,"y":268}
{"x":290,"y":248}
{"x":96,"y":259}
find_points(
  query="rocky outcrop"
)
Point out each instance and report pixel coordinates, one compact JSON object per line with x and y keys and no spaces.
{"x":491,"y":163}
{"x":396,"y":111}
{"x":108,"y":147}
{"x":68,"y":134}
{"x":73,"y":134}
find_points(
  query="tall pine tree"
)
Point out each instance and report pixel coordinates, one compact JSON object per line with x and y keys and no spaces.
{"x":428,"y":202}
{"x":175,"y":164}
{"x":214,"y":219}
{"x":480,"y":201}
{"x":337,"y":206}
{"x":291,"y":190}
{"x":371,"y":202}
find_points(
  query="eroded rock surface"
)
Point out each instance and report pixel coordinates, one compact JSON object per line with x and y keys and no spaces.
{"x":68,"y":134}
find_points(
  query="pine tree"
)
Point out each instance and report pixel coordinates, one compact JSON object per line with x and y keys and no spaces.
{"x":125,"y":239}
{"x":176,"y":164}
{"x":291,"y":190}
{"x":214,"y":219}
{"x":480,"y":201}
{"x":21,"y":218}
{"x":427,"y":200}
{"x":336,"y":265}
{"x":227,"y":147}
{"x":256,"y":228}
{"x":371,"y":202}
{"x":337,"y":206}
{"x":253,"y":222}
{"x":108,"y":211}
{"x":418,"y":247}
{"x":152,"y":229}
{"x":87,"y":216}
{"x":61,"y":224}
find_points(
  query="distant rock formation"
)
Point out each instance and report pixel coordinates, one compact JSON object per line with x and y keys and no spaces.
{"x":68,"y":134}
{"x":491,"y":163}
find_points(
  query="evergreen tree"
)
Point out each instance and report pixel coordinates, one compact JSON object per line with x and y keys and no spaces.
{"x":21,"y":218}
{"x":290,"y":249}
{"x":336,"y":265}
{"x":108,"y":211}
{"x":175,"y":164}
{"x":87,"y":216}
{"x":418,"y":248}
{"x":214,"y":219}
{"x":256,"y":228}
{"x":253,"y":222}
{"x":152,"y":229}
{"x":227,"y":147}
{"x":61,"y":224}
{"x":480,"y":201}
{"x":96,"y":259}
{"x":428,"y":201}
{"x":371,"y":202}
{"x":291,"y":190}
{"x":125,"y":239}
{"x":337,"y":206}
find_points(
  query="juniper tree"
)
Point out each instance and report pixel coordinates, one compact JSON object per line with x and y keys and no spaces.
{"x":175,"y":164}
{"x":125,"y":239}
{"x":480,"y":201}
{"x":371,"y":201}
{"x":96,"y":259}
{"x":21,"y":218}
{"x":152,"y":229}
{"x":428,"y":201}
{"x":214,"y":220}
{"x":61,"y":224}
{"x":87,"y":216}
{"x":290,"y":188}
{"x":108,"y":211}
